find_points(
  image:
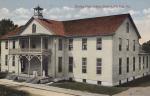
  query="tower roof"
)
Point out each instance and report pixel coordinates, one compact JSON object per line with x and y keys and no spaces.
{"x":38,"y":8}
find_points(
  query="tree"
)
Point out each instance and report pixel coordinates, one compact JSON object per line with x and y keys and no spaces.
{"x":6,"y":25}
{"x":146,"y":46}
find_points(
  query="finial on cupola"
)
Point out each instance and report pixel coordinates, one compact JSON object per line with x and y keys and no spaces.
{"x":38,"y":12}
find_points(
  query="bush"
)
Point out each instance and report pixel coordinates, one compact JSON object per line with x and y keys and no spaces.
{"x":3,"y":74}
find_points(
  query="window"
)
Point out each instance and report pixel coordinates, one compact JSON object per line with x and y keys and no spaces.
{"x":6,"y":60}
{"x":147,"y":62}
{"x":6,"y":44}
{"x":127,"y":27}
{"x":70,"y":47}
{"x":23,"y":44}
{"x":84,"y":65}
{"x":133,"y":78}
{"x":13,"y":61}
{"x":120,"y":44}
{"x":34,"y":28}
{"x":84,"y":44}
{"x":13,"y":44}
{"x":84,"y":80}
{"x":99,"y":82}
{"x":119,"y":82}
{"x":133,"y":63}
{"x":120,"y":66}
{"x":127,"y":80}
{"x":127,"y":44}
{"x":143,"y":62}
{"x":99,"y":44}
{"x":46,"y":43}
{"x":33,"y":45}
{"x":70,"y":64}
{"x":59,"y":64}
{"x":60,"y":44}
{"x":99,"y":66}
{"x":127,"y":64}
{"x":133,"y":45}
{"x":139,"y":62}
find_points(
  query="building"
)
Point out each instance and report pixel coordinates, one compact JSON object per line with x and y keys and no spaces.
{"x":101,"y":50}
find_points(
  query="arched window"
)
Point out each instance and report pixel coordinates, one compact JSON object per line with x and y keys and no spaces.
{"x":34,"y":28}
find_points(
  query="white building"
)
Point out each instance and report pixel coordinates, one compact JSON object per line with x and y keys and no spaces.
{"x":101,"y":50}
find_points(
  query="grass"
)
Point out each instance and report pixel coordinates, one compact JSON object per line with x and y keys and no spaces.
{"x":141,"y":82}
{"x":89,"y":87}
{"x":8,"y":91}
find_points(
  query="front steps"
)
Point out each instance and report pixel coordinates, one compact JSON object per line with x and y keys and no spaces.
{"x":27,"y":79}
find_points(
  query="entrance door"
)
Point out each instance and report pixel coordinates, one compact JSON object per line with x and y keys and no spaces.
{"x":45,"y":66}
{"x":24,"y":64}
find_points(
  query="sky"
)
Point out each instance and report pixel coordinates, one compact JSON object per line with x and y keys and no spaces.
{"x":20,"y":11}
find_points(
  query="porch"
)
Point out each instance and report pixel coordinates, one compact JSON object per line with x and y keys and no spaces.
{"x":33,"y":54}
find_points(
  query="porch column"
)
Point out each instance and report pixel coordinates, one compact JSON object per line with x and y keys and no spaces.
{"x":18,"y":64}
{"x":8,"y":56}
{"x":29,"y":59}
{"x":41,"y":56}
{"x":29,"y":43}
{"x":29,"y":66}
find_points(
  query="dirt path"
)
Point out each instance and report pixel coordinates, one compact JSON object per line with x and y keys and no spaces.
{"x":32,"y":91}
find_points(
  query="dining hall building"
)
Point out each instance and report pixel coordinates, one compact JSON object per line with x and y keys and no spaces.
{"x":100,"y":50}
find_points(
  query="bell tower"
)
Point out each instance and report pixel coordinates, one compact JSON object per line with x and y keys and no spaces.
{"x":38,"y":12}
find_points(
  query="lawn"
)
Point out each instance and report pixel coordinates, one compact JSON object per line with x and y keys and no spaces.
{"x":8,"y":91}
{"x":89,"y":87}
{"x":141,"y":82}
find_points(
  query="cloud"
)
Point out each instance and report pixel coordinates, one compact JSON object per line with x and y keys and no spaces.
{"x":146,"y":11}
{"x":143,"y":27}
{"x":21,"y":12}
{"x":133,"y":12}
{"x":4,"y":12}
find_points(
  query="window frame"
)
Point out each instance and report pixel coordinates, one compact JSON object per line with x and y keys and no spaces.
{"x":84,"y":65}
{"x":127,"y":45}
{"x":139,"y":62}
{"x":120,"y":66}
{"x":120,"y":44}
{"x":147,"y":62}
{"x":70,"y":44}
{"x":99,"y":66}
{"x":134,"y":45}
{"x":6,"y":60}
{"x":99,"y":43}
{"x":33,"y":28}
{"x":127,"y":65}
{"x":127,"y":27}
{"x":59,"y":64}
{"x":134,"y":63}
{"x":143,"y":62}
{"x":46,"y":43}
{"x":6,"y":44}
{"x":70,"y":65}
{"x":84,"y":43}
{"x":14,"y":44}
{"x":13,"y":60}
{"x":60,"y":44}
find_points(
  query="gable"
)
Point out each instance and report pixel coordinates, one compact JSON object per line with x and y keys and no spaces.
{"x":39,"y":29}
{"x":122,"y":30}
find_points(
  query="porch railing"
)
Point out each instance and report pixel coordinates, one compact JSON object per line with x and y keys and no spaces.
{"x":29,"y":51}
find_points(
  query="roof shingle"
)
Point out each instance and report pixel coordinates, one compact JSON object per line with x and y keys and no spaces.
{"x":106,"y":25}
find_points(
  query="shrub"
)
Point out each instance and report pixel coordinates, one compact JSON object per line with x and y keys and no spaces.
{"x":3,"y":74}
